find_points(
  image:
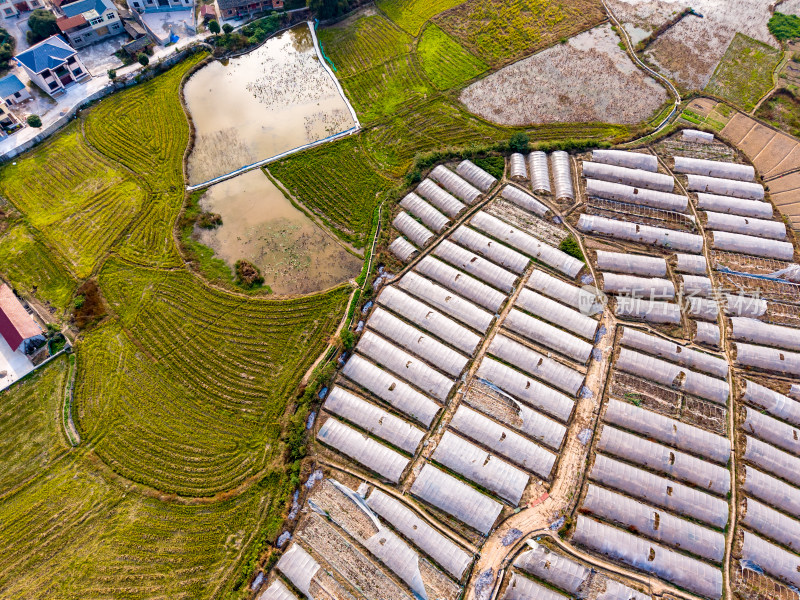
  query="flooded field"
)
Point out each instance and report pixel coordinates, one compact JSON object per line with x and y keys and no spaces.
{"x":260,"y":225}
{"x":273,"y":99}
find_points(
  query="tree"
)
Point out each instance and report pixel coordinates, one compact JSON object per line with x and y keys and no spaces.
{"x":328,"y":9}
{"x":7,"y":46}
{"x":34,"y":121}
{"x":213,"y":27}
{"x":519,"y":142}
{"x":42,"y":24}
{"x":227,"y":28}
{"x":143,"y":59}
{"x":112,"y":74}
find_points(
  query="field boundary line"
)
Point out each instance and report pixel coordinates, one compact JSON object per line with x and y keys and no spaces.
{"x":325,"y":66}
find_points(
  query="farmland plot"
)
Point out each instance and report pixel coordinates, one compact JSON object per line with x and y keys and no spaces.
{"x":588,"y":79}
{"x":412,"y":15}
{"x":444,"y":61}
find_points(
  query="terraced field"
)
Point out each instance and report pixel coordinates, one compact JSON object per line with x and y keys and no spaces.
{"x":186,"y":392}
{"x":444,"y":61}
{"x":338,"y":184}
{"x":500,"y":31}
{"x":412,"y":15}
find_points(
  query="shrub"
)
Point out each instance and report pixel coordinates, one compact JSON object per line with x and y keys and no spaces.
{"x":328,"y":9}
{"x":7,"y":46}
{"x":247,"y":274}
{"x":348,"y":339}
{"x":143,"y":59}
{"x":208,"y":220}
{"x":227,"y":28}
{"x":570,"y":245}
{"x":784,"y":27}
{"x":112,"y":74}
{"x":213,"y":27}
{"x":494,"y":165}
{"x":78,"y":302}
{"x":42,"y":24}
{"x":34,"y":120}
{"x":519,"y":142}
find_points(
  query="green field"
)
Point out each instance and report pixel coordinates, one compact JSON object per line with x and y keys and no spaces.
{"x":412,"y":15}
{"x":444,"y":61}
{"x":744,"y":75}
{"x":500,"y":31}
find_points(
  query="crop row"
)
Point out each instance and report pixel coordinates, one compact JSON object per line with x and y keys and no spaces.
{"x":150,"y":240}
{"x":444,"y":61}
{"x":338,"y":183}
{"x":412,"y":15}
{"x":362,"y":44}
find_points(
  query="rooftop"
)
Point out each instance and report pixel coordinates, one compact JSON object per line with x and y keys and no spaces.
{"x":47,"y":54}
{"x":83,"y":6}
{"x":10,"y":85}
{"x":16,"y":325}
{"x":67,"y":23}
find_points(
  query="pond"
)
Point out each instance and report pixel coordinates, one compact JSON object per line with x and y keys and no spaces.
{"x":260,"y":225}
{"x":273,"y":99}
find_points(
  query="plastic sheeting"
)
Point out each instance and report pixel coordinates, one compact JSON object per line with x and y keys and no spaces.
{"x":376,"y":457}
{"x":412,"y":339}
{"x":772,"y":524}
{"x":725,"y":187}
{"x":475,"y":464}
{"x":773,"y":491}
{"x":527,"y":244}
{"x":526,"y":390}
{"x":299,"y":567}
{"x":462,"y":284}
{"x":558,"y":314}
{"x":391,"y":389}
{"x":697,"y":285}
{"x":630,"y":160}
{"x":671,"y":375}
{"x":617,"y":591}
{"x":638,"y":287}
{"x":405,"y":365}
{"x":413,"y":230}
{"x":713,"y":168}
{"x":758,"y":332}
{"x":456,"y":498}
{"x":775,"y":561}
{"x":774,"y":403}
{"x":768,"y":359}
{"x":478,"y":267}
{"x":693,"y":264}
{"x":455,"y":184}
{"x":374,"y":419}
{"x":643,"y":234}
{"x":475,"y":175}
{"x":441,"y":199}
{"x":562,"y":175}
{"x":552,"y":567}
{"x":548,"y":336}
{"x":424,"y":212}
{"x":647,"y":310}
{"x":669,"y":431}
{"x":430,"y":320}
{"x":446,"y":301}
{"x":734,"y":206}
{"x":688,"y":573}
{"x":698,"y":137}
{"x":503,"y":441}
{"x":761,"y":228}
{"x":524,"y":200}
{"x":540,"y":172}
{"x":608,"y":190}
{"x":772,"y":460}
{"x":655,"y":457}
{"x":707,"y":333}
{"x":523,"y":588}
{"x":632,"y":264}
{"x":517,"y":168}
{"x":662,"y":492}
{"x":441,"y":549}
{"x":631,"y":177}
{"x":402,"y":249}
{"x":488,"y":248}
{"x":277,"y":591}
{"x":654,"y":523}
{"x":566,"y":293}
{"x":745,"y":306}
{"x":526,"y":359}
{"x":639,"y":340}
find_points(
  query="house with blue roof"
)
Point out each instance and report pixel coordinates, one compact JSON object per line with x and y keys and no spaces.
{"x":53,"y":65}
{"x":13,"y":91}
{"x":84,"y":22}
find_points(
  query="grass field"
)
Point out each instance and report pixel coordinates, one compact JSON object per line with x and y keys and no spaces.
{"x":744,"y":75}
{"x":500,"y":31}
{"x":337,"y":183}
{"x":444,"y":61}
{"x":782,"y":110}
{"x":33,"y":268}
{"x":363,"y":44}
{"x":412,"y":15}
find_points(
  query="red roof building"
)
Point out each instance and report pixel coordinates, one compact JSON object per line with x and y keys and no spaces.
{"x":207,"y":12}
{"x":16,"y":325}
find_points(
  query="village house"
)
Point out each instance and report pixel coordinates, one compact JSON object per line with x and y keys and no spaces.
{"x":53,"y":65}
{"x":17,"y":327}
{"x":87,"y":21}
{"x":13,"y":91}
{"x":12,"y":8}
{"x":143,"y":6}
{"x":233,"y":9}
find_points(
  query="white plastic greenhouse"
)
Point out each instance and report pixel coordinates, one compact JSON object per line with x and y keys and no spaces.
{"x":777,"y":433}
{"x":766,"y":334}
{"x":771,"y":490}
{"x":424,"y":212}
{"x":707,"y":333}
{"x":517,"y":168}
{"x":639,"y":340}
{"x":608,"y":190}
{"x":643,"y":234}
{"x":630,"y":160}
{"x":552,"y":567}
{"x":651,"y":311}
{"x":299,"y":567}
{"x":478,"y":267}
{"x":773,"y":402}
{"x":441,"y":199}
{"x":772,"y":524}
{"x":631,"y":177}
{"x":725,"y":187}
{"x":413,"y":230}
{"x":774,"y":230}
{"x":693,"y":264}
{"x":484,"y":246}
{"x":714,"y":168}
{"x":402,"y":249}
{"x":462,"y":284}
{"x":698,"y":137}
{"x":755,"y":246}
{"x":475,"y":175}
{"x":540,"y":172}
{"x":768,"y":359}
{"x":772,"y":460}
{"x":549,"y":336}
{"x":776,"y":561}
{"x":631,"y":264}
{"x":558,"y":314}
{"x":734,"y":206}
{"x":638,"y":287}
{"x":455,"y":184}
{"x":562,"y":175}
{"x":524,"y":200}
{"x":566,"y":293}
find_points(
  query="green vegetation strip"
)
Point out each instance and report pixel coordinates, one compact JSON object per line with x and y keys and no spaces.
{"x":412,"y":15}
{"x":444,"y":61}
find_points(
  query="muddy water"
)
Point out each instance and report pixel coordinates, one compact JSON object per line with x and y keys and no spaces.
{"x":273,"y":99}
{"x":260,"y":225}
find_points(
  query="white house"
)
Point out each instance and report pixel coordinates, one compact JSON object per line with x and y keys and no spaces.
{"x":12,"y":8}
{"x":53,"y":65}
{"x":87,"y":21}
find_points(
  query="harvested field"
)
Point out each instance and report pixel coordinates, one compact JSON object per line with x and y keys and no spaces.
{"x":744,"y":75}
{"x":645,"y":394}
{"x":500,"y":31}
{"x":588,"y":79}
